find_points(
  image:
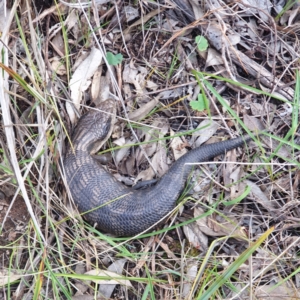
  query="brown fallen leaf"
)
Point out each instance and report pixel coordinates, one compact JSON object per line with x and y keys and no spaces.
{"x":143,"y":111}
{"x":216,"y":225}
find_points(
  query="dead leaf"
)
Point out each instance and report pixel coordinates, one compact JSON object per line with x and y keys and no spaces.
{"x":190,"y":275}
{"x":81,"y":286}
{"x":207,"y":129}
{"x":214,"y":33}
{"x":58,"y":44}
{"x":143,"y":111}
{"x":72,"y":19}
{"x":229,"y":167}
{"x":238,"y":187}
{"x":248,"y":28}
{"x":195,"y":236}
{"x":166,"y":248}
{"x":150,"y":243}
{"x":259,"y":196}
{"x":200,"y":182}
{"x":159,"y":161}
{"x":151,"y":85}
{"x":213,"y":58}
{"x":115,"y":277}
{"x":129,"y":73}
{"x":83,"y":4}
{"x":121,"y":153}
{"x":80,"y":80}
{"x":158,"y":130}
{"x":131,"y":13}
{"x":95,"y":88}
{"x":253,"y":123}
{"x":147,"y":174}
{"x":58,"y":66}
{"x":144,"y":19}
{"x":8,"y":277}
{"x":197,"y":9}
{"x":173,"y":93}
{"x":257,"y":7}
{"x":135,"y":76}
{"x":117,"y":266}
{"x":83,"y":297}
{"x":283,"y":151}
{"x":283,"y":291}
{"x":216,"y":225}
{"x":256,"y":109}
{"x":4,"y":16}
{"x":178,"y":146}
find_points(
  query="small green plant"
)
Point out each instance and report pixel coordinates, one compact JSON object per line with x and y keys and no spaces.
{"x":113,"y":59}
{"x":201,"y":42}
{"x":201,"y":104}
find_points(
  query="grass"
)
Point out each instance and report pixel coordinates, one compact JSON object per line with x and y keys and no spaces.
{"x":56,"y":254}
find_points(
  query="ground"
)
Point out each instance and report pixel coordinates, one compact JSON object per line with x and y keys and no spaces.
{"x":183,"y":74}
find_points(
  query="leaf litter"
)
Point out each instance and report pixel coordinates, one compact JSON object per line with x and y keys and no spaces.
{"x":253,"y":54}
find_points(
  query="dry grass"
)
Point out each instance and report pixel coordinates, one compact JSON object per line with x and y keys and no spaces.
{"x":237,"y":235}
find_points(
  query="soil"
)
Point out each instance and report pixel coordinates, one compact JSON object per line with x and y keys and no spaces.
{"x":16,"y":220}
